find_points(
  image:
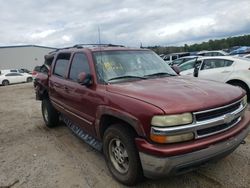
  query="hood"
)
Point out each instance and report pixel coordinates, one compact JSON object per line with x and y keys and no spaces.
{"x":179,"y":94}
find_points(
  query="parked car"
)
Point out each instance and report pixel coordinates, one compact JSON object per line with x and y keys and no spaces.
{"x":14,"y":77}
{"x":228,"y":69}
{"x":14,"y":70}
{"x":171,"y":57}
{"x":212,"y":53}
{"x":147,"y":120}
{"x":25,"y":71}
{"x":182,"y":60}
{"x":241,"y":50}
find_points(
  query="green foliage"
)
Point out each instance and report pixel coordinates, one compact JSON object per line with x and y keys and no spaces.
{"x":220,"y":44}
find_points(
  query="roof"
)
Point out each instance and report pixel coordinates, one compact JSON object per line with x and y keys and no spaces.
{"x":207,"y":51}
{"x":25,"y":46}
{"x":217,"y":57}
{"x":97,"y":48}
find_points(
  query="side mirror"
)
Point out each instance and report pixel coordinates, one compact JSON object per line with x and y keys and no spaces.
{"x":176,"y":69}
{"x":84,"y":79}
{"x":196,"y":69}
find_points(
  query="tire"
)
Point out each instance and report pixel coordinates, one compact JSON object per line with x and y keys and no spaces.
{"x":29,"y":79}
{"x":5,"y":82}
{"x":242,"y":86}
{"x":121,"y":154}
{"x":50,"y":115}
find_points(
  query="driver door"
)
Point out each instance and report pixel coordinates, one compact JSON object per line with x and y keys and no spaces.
{"x":80,"y":100}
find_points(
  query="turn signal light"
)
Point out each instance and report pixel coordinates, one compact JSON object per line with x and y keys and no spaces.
{"x":164,"y":139}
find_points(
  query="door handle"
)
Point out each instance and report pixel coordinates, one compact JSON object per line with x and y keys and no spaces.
{"x":56,"y":85}
{"x":66,"y":88}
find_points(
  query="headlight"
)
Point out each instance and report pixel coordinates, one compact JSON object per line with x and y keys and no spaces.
{"x":244,"y":101}
{"x":172,"y":120}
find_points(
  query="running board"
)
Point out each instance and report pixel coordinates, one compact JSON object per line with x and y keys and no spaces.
{"x":93,"y":142}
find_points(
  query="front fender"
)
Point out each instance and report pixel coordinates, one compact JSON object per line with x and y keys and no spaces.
{"x":124,"y":116}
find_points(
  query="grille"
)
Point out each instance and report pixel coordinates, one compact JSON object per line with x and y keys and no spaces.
{"x":217,"y":113}
{"x":218,"y":128}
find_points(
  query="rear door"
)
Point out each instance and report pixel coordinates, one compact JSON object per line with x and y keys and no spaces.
{"x":216,"y":69}
{"x":57,"y":79}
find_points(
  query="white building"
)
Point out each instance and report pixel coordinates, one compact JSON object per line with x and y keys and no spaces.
{"x":25,"y":56}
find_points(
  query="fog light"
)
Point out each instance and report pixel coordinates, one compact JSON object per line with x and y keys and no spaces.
{"x":163,"y":139}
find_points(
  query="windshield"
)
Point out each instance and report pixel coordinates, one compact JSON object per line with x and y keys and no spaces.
{"x":117,"y":65}
{"x":188,"y":65}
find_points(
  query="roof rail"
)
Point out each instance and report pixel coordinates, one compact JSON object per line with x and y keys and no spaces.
{"x":96,"y":45}
{"x":86,"y":45}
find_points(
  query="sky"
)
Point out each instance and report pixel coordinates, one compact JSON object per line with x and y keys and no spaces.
{"x":126,"y":22}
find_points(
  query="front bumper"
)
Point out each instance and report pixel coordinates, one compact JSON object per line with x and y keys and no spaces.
{"x":156,"y":167}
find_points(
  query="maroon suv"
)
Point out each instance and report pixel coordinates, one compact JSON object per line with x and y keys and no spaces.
{"x":147,"y":120}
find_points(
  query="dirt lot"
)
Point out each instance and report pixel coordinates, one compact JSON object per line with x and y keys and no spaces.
{"x":32,"y":155}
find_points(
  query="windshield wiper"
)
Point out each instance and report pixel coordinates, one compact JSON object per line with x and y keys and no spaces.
{"x":126,"y":76}
{"x":160,"y":74}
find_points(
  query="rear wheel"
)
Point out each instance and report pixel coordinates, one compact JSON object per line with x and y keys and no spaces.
{"x":121,"y":154}
{"x":5,"y":83}
{"x":50,"y":115}
{"x":29,"y":79}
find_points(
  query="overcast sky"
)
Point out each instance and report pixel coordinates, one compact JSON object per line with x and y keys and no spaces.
{"x":128,"y":22}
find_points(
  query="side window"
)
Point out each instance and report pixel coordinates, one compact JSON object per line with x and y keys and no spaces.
{"x":12,"y":74}
{"x":174,"y":57}
{"x":79,"y":64}
{"x":13,"y":70}
{"x":166,"y":58}
{"x":228,"y":63}
{"x":61,"y":64}
{"x":213,"y":63}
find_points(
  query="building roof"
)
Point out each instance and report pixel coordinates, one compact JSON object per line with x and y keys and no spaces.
{"x":25,"y":46}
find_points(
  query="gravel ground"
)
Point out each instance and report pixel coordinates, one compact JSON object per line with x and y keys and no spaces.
{"x":32,"y":155}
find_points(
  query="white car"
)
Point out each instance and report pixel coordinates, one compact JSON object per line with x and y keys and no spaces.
{"x":14,"y":77}
{"x":228,"y":69}
{"x":212,"y":53}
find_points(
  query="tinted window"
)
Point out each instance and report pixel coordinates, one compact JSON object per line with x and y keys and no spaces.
{"x":21,"y":71}
{"x":79,"y":64}
{"x":13,"y":74}
{"x":61,"y":65}
{"x":37,"y":68}
{"x":166,"y":58}
{"x":174,"y":57}
{"x":13,"y":70}
{"x":228,"y":63}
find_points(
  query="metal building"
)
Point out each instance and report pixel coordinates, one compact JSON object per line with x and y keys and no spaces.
{"x":25,"y":56}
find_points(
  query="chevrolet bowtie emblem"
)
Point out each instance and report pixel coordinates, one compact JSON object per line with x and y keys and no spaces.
{"x":228,"y":118}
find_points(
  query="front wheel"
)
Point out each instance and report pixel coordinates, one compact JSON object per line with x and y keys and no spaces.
{"x":5,"y":83}
{"x":121,"y":154}
{"x":50,"y":115}
{"x":29,"y":79}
